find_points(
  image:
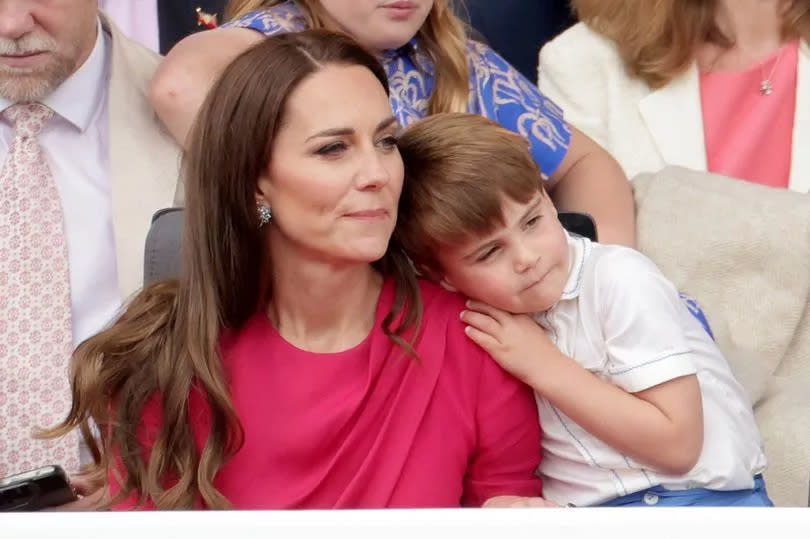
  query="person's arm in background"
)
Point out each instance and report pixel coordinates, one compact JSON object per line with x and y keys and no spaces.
{"x":582,"y":176}
{"x":183,"y":79}
{"x":589,"y":180}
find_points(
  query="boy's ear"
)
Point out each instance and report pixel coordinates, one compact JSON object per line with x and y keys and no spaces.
{"x":436,"y":277}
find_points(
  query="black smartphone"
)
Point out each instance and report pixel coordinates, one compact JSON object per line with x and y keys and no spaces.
{"x":35,"y":490}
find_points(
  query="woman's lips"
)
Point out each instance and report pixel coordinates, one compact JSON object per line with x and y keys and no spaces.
{"x":376,"y":213}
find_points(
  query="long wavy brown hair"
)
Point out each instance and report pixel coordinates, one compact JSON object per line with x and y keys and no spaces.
{"x":165,"y":344}
{"x":658,"y":39}
{"x":442,"y":36}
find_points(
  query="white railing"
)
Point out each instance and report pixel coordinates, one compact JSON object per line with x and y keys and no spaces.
{"x":574,"y":523}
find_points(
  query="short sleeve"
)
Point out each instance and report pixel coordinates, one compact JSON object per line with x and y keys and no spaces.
{"x":642,"y":319}
{"x":280,"y":19}
{"x":503,"y":94}
{"x":508,"y":450}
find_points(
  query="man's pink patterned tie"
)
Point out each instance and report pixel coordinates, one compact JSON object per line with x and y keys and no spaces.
{"x":35,"y":317}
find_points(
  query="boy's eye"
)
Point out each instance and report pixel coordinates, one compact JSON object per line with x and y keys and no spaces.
{"x":533,"y":221}
{"x":331,"y":149}
{"x":486,"y":255}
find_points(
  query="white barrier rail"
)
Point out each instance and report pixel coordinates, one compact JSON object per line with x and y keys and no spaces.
{"x":574,"y":523}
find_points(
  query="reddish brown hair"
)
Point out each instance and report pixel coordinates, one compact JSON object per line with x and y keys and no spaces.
{"x":658,"y":39}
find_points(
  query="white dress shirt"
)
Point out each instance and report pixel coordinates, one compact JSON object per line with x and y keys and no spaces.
{"x":622,"y":320}
{"x":75,"y":143}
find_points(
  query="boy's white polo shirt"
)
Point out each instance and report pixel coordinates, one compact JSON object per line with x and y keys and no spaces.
{"x":621,"y":319}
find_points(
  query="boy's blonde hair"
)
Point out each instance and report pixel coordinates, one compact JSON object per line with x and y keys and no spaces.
{"x":442,"y":37}
{"x":458,"y":170}
{"x":658,"y":39}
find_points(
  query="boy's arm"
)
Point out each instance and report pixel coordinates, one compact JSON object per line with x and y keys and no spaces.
{"x":661,"y":427}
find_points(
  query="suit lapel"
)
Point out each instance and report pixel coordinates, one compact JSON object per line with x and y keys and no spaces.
{"x":143,"y":159}
{"x":674,"y":118}
{"x":800,"y":153}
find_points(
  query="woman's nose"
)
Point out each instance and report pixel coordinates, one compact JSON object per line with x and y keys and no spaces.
{"x":373,"y":173}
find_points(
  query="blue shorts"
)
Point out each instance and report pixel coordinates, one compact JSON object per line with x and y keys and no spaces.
{"x":661,"y":497}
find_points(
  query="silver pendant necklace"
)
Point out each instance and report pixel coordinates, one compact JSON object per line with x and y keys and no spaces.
{"x":765,"y":85}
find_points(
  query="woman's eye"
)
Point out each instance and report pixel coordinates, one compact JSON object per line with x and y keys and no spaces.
{"x":486,"y":255}
{"x":388,"y":142}
{"x":331,"y":149}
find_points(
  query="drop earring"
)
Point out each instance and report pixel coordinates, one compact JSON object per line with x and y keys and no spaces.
{"x":264,"y":214}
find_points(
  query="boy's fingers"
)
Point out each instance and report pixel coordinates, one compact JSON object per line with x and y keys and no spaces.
{"x":484,"y":340}
{"x":481,"y":322}
{"x":496,"y":314}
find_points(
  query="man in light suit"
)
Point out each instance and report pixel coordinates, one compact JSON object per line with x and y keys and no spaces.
{"x":109,"y":160}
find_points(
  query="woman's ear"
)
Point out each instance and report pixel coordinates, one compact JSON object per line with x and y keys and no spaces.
{"x":263,"y":189}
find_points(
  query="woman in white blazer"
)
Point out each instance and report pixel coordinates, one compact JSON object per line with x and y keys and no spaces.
{"x":657,"y":83}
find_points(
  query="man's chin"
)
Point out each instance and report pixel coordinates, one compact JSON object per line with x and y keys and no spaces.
{"x":17,"y":87}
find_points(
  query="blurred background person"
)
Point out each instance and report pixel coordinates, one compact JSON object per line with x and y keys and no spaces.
{"x":717,"y":85}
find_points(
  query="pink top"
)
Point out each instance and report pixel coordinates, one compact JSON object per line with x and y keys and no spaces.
{"x":749,"y":135}
{"x":368,"y":427}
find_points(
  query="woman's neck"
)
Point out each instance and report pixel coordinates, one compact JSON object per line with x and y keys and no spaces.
{"x":321,"y":307}
{"x":753,"y":26}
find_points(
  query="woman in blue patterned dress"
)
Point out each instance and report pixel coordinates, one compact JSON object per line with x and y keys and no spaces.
{"x":432,"y":67}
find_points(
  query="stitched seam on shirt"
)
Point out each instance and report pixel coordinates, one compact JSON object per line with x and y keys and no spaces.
{"x":580,"y":270}
{"x":643,"y":471}
{"x":634,"y":367}
{"x":585,"y":449}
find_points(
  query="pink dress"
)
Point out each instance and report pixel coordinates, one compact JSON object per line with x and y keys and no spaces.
{"x":369,"y":427}
{"x":749,"y":135}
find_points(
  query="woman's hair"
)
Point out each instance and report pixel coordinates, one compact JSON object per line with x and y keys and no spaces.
{"x":458,"y":170}
{"x":658,"y":39}
{"x":442,"y":37}
{"x":166,"y":342}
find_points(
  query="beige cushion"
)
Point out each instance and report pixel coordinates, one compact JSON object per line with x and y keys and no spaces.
{"x":743,"y":251}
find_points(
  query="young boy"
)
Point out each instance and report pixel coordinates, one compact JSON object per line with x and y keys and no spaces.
{"x":638,"y":405}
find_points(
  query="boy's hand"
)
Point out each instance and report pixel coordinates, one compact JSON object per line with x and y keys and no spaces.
{"x":515,"y":341}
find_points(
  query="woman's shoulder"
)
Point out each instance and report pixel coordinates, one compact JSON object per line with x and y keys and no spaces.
{"x":439,"y":302}
{"x":279,"y":19}
{"x":441,"y":316}
{"x":577,"y":44}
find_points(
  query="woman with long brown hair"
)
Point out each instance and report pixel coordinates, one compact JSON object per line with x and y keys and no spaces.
{"x":431,"y":67}
{"x":713,"y":85}
{"x":298,"y":362}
